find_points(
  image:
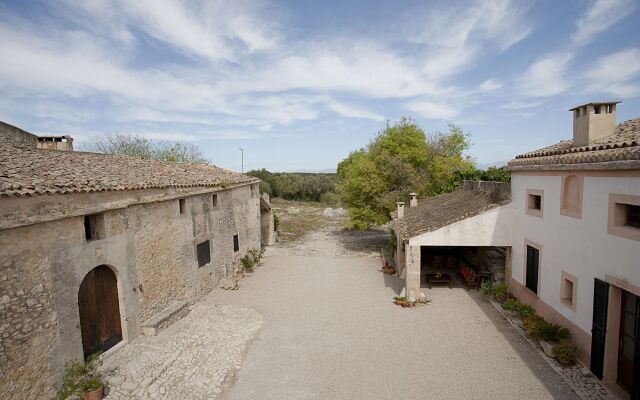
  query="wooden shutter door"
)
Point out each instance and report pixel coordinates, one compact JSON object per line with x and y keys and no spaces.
{"x":599,"y":328}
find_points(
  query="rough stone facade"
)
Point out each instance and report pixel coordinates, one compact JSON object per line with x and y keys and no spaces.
{"x":147,"y":242}
{"x":17,"y":137}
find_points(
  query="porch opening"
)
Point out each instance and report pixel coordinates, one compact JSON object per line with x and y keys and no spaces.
{"x":466,"y":266}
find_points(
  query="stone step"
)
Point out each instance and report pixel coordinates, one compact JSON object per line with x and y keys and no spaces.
{"x":176,"y":311}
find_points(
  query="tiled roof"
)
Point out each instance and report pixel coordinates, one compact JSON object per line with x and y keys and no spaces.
{"x":29,"y":172}
{"x":439,"y":211}
{"x":623,"y":146}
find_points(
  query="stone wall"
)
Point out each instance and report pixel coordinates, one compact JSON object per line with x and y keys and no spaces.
{"x":152,"y":249}
{"x":16,"y":136}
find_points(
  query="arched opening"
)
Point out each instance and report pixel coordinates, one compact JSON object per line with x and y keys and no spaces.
{"x":571,"y":192}
{"x":99,"y":310}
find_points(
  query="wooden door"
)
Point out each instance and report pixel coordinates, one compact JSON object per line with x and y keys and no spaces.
{"x":627,"y":350}
{"x":599,"y":327}
{"x":99,"y":310}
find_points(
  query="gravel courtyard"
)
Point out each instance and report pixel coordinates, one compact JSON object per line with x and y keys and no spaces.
{"x":331,"y":332}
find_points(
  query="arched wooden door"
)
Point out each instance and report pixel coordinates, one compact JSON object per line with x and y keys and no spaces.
{"x":99,"y":310}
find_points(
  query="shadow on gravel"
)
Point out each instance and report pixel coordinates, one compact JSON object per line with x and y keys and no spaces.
{"x":532,"y":359}
{"x":362,"y":241}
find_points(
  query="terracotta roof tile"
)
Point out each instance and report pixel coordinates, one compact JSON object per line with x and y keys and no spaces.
{"x":623,"y":145}
{"x":29,"y":172}
{"x":439,"y":211}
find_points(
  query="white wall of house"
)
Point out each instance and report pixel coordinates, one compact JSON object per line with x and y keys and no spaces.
{"x":580,"y":247}
{"x":491,"y":228}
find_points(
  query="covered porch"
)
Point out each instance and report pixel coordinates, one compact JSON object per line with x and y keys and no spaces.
{"x":465,"y":235}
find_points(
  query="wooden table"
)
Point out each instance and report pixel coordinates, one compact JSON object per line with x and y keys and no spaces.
{"x":433,"y":278}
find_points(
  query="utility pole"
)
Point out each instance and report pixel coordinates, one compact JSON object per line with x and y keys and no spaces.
{"x":242,"y":152}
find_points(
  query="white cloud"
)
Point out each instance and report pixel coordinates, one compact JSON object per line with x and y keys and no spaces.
{"x":521,"y":105}
{"x":491,"y":85}
{"x":432,"y":110}
{"x":351,"y":111}
{"x":617,"y":74}
{"x":600,"y":16}
{"x":546,"y":76}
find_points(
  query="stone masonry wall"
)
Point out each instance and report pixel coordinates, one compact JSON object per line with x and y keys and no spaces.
{"x":152,"y":249}
{"x":27,"y":315}
{"x":17,"y":137}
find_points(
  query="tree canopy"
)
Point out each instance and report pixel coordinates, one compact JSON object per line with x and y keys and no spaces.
{"x":139,"y":146}
{"x":401,"y":159}
{"x":297,"y":186}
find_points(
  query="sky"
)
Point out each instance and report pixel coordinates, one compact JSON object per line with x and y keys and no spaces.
{"x":299,"y":84}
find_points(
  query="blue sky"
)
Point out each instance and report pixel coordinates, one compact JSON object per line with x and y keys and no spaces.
{"x":300,"y":84}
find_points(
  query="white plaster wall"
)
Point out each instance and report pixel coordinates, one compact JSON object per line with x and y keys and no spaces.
{"x":581,"y":247}
{"x":491,"y":228}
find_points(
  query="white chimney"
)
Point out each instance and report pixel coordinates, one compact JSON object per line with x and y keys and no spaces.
{"x":593,"y":121}
{"x":400,"y":209}
{"x":413,"y":199}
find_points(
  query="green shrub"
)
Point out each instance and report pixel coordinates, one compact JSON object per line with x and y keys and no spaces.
{"x":566,"y":352}
{"x":256,"y":255}
{"x":552,"y":332}
{"x":276,"y":222}
{"x":80,"y":377}
{"x":501,"y":291}
{"x":524,"y":310}
{"x":532,"y":324}
{"x":486,"y":288}
{"x":247,"y":263}
{"x":510,"y":305}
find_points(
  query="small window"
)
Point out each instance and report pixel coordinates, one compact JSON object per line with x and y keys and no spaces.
{"x":624,"y":216}
{"x":236,"y":244}
{"x":632,"y":213}
{"x":596,"y":109}
{"x":214,"y":200}
{"x":533,"y":265}
{"x":584,"y":110}
{"x":534,"y":202}
{"x":568,"y":290}
{"x":609,"y":108}
{"x":204,"y":254}
{"x":182,"y":203}
{"x":94,"y":227}
{"x":577,"y":112}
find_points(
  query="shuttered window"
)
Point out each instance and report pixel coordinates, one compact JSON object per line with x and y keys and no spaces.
{"x":533,"y":263}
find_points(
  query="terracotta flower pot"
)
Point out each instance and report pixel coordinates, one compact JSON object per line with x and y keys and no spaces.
{"x":94,"y":395}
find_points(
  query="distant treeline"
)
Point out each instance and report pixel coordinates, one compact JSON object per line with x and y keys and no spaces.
{"x":297,"y":185}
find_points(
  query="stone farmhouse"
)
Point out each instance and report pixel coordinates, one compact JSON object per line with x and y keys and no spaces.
{"x":97,"y":249}
{"x":565,"y":236}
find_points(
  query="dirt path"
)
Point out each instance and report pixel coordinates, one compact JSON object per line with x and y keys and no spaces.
{"x":331,"y":332}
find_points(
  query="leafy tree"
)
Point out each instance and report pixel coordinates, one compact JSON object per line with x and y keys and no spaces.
{"x":297,"y":186}
{"x":401,"y":159}
{"x":139,"y":146}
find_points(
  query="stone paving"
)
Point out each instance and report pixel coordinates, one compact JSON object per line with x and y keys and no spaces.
{"x":189,"y":360}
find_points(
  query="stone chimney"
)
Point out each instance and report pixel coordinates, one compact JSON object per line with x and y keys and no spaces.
{"x":413,"y":199}
{"x":400,"y":209}
{"x":593,"y":121}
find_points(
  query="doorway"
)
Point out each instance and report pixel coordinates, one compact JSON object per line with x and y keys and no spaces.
{"x":628,"y":350}
{"x":99,"y":310}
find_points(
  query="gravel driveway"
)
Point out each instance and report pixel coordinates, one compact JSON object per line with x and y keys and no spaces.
{"x":331,"y":332}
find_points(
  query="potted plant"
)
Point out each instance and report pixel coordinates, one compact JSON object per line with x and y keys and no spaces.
{"x":82,"y":379}
{"x":549,"y":335}
{"x":403,"y":302}
{"x":566,"y":352}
